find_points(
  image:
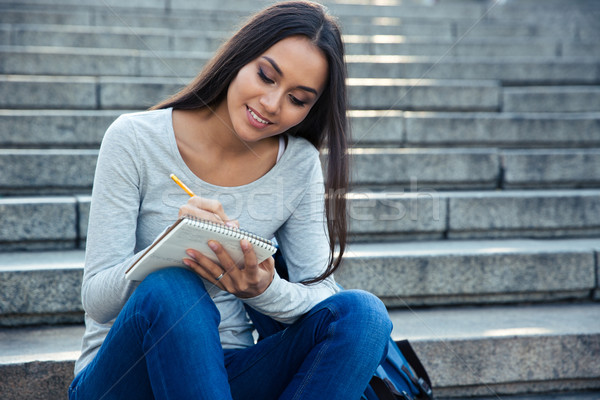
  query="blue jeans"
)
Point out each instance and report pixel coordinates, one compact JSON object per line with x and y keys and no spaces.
{"x":165,"y":345}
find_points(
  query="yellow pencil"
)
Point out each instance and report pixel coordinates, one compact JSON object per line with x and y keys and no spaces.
{"x":182,"y":185}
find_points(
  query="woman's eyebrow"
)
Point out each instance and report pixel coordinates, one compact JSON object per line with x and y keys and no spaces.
{"x":278,"y":70}
{"x":274,"y":64}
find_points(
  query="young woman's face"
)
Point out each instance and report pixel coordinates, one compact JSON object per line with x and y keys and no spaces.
{"x":277,"y":90}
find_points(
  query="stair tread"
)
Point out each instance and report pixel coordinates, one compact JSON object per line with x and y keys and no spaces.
{"x":48,"y":343}
{"x":73,"y":259}
{"x":42,"y":50}
{"x":349,"y":38}
{"x":587,"y":395}
{"x":47,"y":260}
{"x":491,"y":322}
{"x":470,"y":247}
{"x":362,"y":195}
{"x":43,"y":343}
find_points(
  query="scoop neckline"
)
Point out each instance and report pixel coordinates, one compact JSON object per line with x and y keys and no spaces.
{"x":191,"y":175}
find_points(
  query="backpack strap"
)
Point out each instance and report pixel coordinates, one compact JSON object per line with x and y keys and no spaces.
{"x":423,"y":381}
{"x":385,"y":390}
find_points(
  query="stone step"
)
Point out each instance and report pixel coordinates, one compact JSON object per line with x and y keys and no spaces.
{"x":245,"y":6}
{"x":466,"y":351}
{"x":468,"y":46}
{"x":580,"y":24}
{"x":54,"y":128}
{"x":443,"y":10}
{"x":44,"y":222}
{"x":111,"y":37}
{"x":423,"y":10}
{"x":33,"y":171}
{"x":492,"y":129}
{"x":100,"y":62}
{"x":551,"y":99}
{"x":49,"y":92}
{"x":565,"y":11}
{"x":555,"y":395}
{"x":550,"y":168}
{"x":535,"y":213}
{"x":38,"y":362}
{"x":510,"y":71}
{"x":85,"y":129}
{"x":41,"y":287}
{"x":43,"y":60}
{"x":45,"y":287}
{"x":466,"y":272}
{"x":475,"y":168}
{"x":578,"y":29}
{"x":84,"y":92}
{"x":571,"y":19}
{"x":430,"y":21}
{"x":419,"y":94}
{"x":161,"y":39}
{"x":497,"y":351}
{"x":423,"y":214}
{"x":419,"y":213}
{"x":210,"y":20}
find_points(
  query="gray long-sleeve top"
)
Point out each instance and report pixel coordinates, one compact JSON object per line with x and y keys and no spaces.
{"x":134,"y":200}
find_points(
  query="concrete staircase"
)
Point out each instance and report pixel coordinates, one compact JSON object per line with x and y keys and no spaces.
{"x":475,"y":210}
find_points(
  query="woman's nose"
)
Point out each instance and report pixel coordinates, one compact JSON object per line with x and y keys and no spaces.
{"x":270,"y":101}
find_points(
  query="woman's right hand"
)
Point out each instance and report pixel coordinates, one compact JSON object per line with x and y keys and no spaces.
{"x":207,"y":209}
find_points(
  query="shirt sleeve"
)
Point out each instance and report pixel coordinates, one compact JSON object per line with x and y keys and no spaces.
{"x":305,"y":246}
{"x":111,"y":237}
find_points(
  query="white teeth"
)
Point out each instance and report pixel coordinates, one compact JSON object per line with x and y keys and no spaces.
{"x":256,"y":117}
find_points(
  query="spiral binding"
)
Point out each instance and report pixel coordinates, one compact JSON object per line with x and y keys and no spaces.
{"x":235,"y":233}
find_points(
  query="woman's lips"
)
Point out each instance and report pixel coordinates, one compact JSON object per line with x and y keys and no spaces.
{"x":256,"y":119}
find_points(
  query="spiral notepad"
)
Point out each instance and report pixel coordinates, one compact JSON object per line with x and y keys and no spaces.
{"x":193,"y":233}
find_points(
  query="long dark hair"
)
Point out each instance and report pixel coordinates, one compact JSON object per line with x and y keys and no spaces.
{"x":326,"y":123}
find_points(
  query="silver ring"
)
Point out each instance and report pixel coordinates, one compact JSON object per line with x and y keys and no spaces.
{"x":218,"y":278}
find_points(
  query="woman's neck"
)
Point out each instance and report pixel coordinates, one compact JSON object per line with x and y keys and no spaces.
{"x":213,"y":151}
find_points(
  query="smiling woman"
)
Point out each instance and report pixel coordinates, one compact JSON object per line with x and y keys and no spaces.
{"x":276,"y":91}
{"x":245,"y":137}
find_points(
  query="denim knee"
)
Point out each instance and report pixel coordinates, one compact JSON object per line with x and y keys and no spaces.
{"x":168,"y":281}
{"x":363,"y":309}
{"x":174,"y":289}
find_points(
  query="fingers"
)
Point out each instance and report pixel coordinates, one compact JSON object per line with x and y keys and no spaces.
{"x":249,"y":254}
{"x":206,"y":268}
{"x":233,"y":223}
{"x":247,"y":281}
{"x":187,"y":209}
{"x":209,"y":205}
{"x":211,"y":269}
{"x":250,"y":279}
{"x":208,"y":209}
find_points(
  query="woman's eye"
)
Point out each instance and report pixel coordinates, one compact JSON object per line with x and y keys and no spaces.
{"x":264,"y":77}
{"x":296,"y":101}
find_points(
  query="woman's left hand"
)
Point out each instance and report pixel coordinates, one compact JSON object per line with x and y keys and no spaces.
{"x":247,"y":281}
